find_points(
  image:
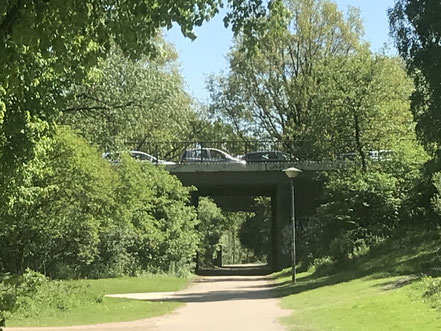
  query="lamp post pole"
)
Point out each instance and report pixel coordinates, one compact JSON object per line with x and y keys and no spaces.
{"x":291,"y":173}
{"x":293,"y":225}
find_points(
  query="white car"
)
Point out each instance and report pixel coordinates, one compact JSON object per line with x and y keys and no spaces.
{"x":209,"y":155}
{"x":137,"y":155}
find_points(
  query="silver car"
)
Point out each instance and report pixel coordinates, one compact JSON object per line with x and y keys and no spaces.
{"x":211,"y":155}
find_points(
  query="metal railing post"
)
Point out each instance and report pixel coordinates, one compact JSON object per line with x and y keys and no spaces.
{"x":202,"y":152}
{"x":156,"y":152}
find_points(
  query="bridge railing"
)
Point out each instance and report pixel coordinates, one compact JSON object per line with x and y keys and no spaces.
{"x":293,"y":151}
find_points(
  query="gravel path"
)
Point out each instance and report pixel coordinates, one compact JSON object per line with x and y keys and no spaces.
{"x":212,"y":303}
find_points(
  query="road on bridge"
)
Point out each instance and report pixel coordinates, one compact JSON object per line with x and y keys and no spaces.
{"x":217,"y":302}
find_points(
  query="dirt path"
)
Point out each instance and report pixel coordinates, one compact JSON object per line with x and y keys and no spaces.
{"x":212,"y":303}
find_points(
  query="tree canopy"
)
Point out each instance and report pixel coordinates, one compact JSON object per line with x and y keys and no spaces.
{"x":269,"y":91}
{"x":415,"y":26}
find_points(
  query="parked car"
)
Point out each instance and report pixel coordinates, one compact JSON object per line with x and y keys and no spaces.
{"x":137,"y":155}
{"x":212,"y":155}
{"x":374,"y":155}
{"x":381,"y":155}
{"x":268,"y":156}
{"x":347,"y":156}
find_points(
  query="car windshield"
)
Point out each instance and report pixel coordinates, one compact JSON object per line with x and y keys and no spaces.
{"x":142,"y":156}
{"x":217,"y":155}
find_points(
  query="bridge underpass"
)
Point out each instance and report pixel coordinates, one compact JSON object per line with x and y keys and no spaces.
{"x":233,"y":187}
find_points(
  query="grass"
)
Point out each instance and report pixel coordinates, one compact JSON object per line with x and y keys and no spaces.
{"x":109,"y":309}
{"x":368,"y":303}
{"x":383,"y":290}
{"x":133,"y":284}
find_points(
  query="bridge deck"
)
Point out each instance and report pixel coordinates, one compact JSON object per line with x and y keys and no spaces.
{"x":254,"y":167}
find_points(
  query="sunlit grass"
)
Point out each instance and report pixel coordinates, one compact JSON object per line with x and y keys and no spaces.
{"x":110,"y":309}
{"x":367,"y":303}
{"x":383,"y":290}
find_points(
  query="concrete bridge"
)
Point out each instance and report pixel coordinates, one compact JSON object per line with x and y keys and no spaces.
{"x":233,"y":186}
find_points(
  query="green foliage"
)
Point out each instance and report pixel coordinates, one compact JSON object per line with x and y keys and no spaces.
{"x":61,"y":221}
{"x":432,"y":291}
{"x":42,"y":302}
{"x":153,"y":228}
{"x":233,"y":251}
{"x":147,"y":103}
{"x":269,"y":91}
{"x":80,"y":302}
{"x":254,"y":232}
{"x":8,"y":298}
{"x":212,"y":225}
{"x":358,"y":96}
{"x":416,"y":30}
{"x":46,"y":47}
{"x":436,"y":201}
{"x":361,"y":208}
{"x":88,"y":218}
{"x":383,"y":283}
{"x":30,"y":294}
{"x":37,"y":294}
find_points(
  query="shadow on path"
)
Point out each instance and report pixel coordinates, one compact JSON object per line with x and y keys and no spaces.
{"x":237,"y":270}
{"x":235,"y":282}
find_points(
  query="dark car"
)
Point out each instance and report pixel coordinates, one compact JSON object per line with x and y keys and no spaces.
{"x":268,"y":156}
{"x":211,"y":155}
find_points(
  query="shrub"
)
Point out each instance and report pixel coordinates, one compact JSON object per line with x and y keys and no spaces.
{"x":432,"y":291}
{"x":36,"y":294}
{"x":94,"y":219}
{"x":8,"y":298}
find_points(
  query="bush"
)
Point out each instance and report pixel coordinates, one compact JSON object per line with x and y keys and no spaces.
{"x":432,"y":291}
{"x":31,"y":294}
{"x":91,"y":219}
{"x":8,"y":298}
{"x":362,"y":207}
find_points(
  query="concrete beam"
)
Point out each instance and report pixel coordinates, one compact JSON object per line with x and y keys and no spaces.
{"x":254,"y":167}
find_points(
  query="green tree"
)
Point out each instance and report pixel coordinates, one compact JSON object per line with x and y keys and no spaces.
{"x":212,"y":225}
{"x":147,"y":103}
{"x":255,"y":231}
{"x":47,"y":47}
{"x":361,"y":209}
{"x":361,"y":105}
{"x":52,"y":222}
{"x":415,"y":26}
{"x":270,"y":90}
{"x":233,"y":251}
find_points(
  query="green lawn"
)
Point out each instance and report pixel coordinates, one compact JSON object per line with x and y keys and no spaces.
{"x":110,"y":309}
{"x":134,"y":284}
{"x":367,"y":303}
{"x":380,"y":291}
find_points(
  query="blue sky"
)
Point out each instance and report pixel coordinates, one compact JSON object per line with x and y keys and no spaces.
{"x":207,"y":54}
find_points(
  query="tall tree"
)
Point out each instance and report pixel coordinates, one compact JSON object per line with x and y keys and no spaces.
{"x":361,"y":105}
{"x":146,"y":103}
{"x":269,"y":90}
{"x":415,"y":26}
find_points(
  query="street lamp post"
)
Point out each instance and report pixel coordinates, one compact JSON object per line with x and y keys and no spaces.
{"x":291,"y":173}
